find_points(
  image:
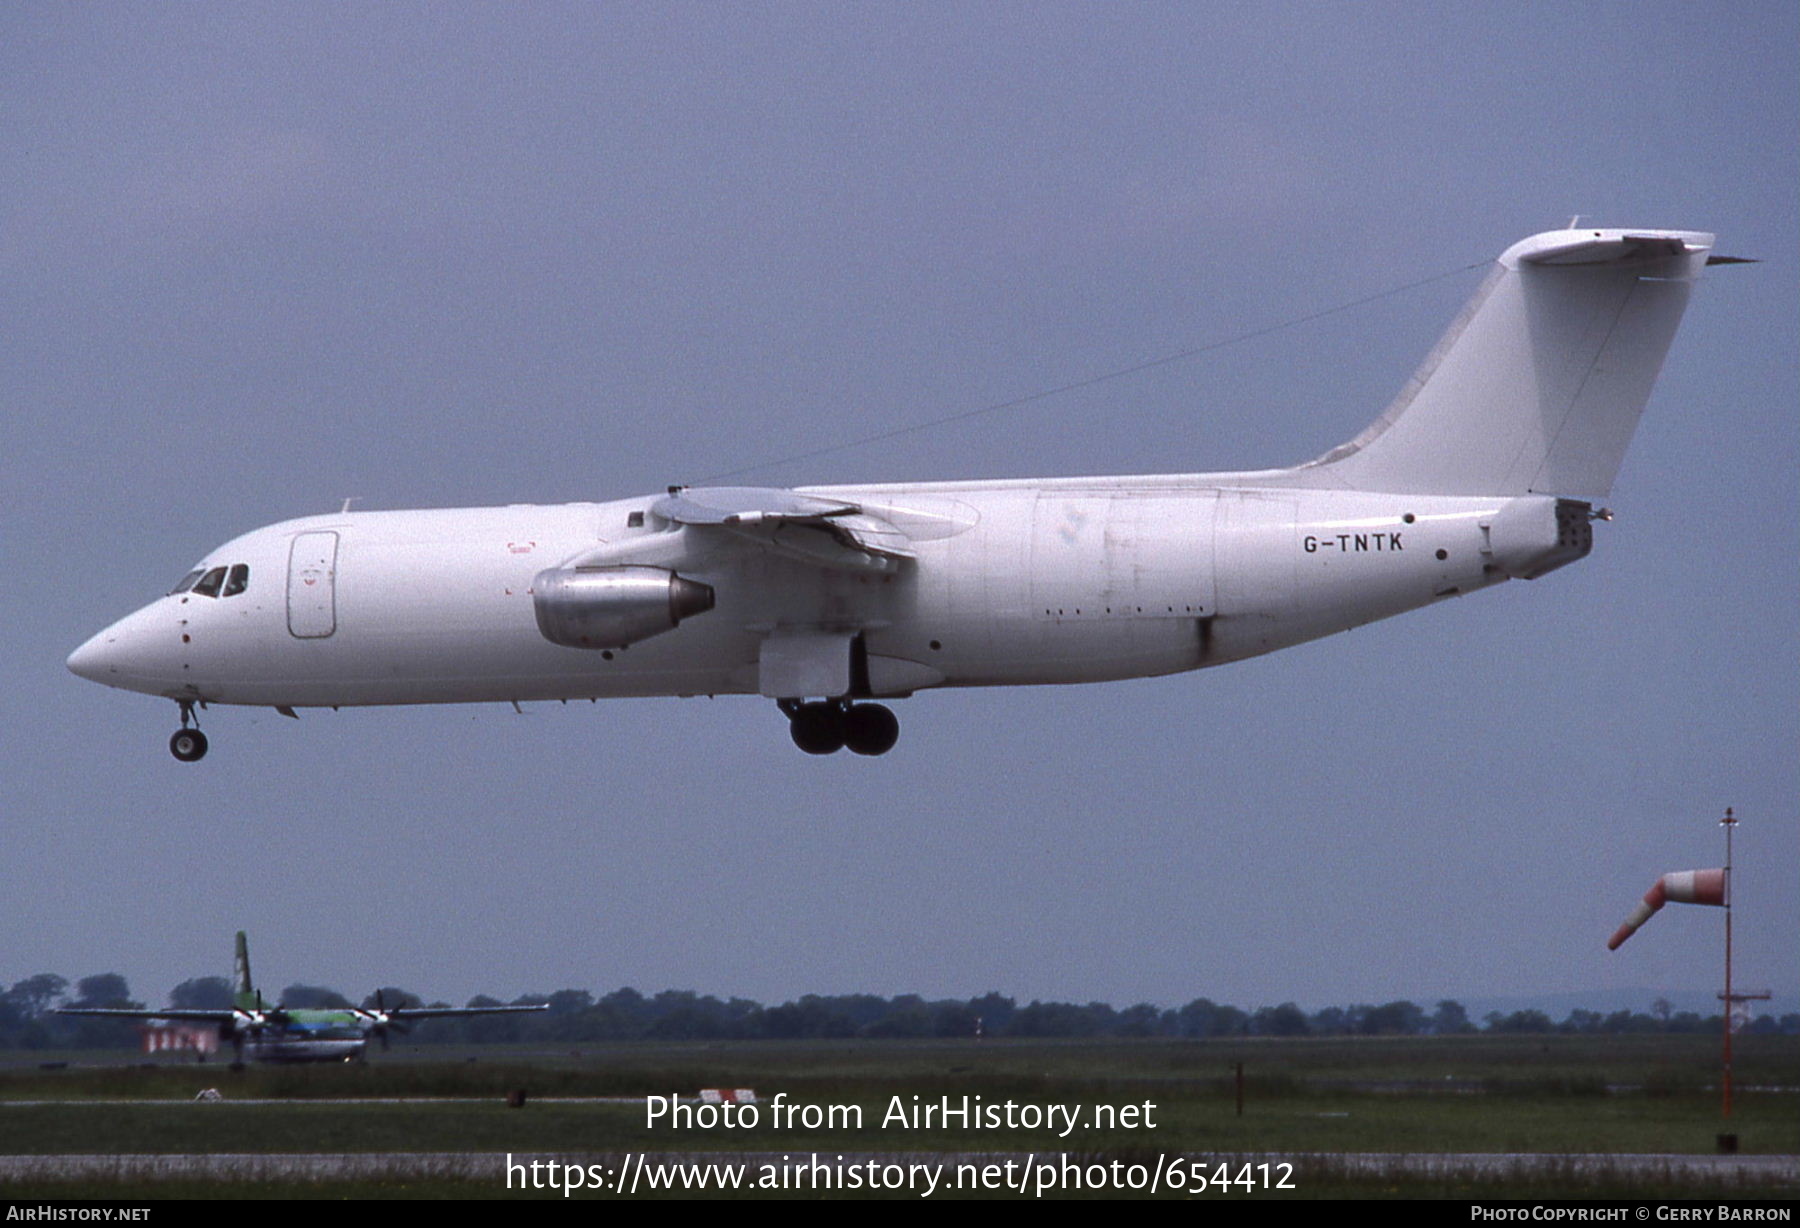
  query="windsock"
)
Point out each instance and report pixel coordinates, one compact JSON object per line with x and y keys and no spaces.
{"x":1680,"y":886}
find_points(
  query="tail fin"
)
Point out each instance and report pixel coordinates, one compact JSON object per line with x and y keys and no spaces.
{"x":1539,"y":383}
{"x":245,"y":996}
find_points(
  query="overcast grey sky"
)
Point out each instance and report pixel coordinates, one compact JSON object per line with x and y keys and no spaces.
{"x":258,"y":258}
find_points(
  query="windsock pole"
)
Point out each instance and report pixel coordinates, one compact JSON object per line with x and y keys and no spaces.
{"x":1728,"y":823}
{"x":1695,"y":887}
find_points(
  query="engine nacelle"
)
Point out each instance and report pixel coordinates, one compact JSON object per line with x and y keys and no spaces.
{"x":610,"y":607}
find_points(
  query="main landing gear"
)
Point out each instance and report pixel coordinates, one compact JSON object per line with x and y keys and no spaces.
{"x":829,"y":726}
{"x":188,"y":745}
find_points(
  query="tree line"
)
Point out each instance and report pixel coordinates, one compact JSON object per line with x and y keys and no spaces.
{"x":28,"y":1021}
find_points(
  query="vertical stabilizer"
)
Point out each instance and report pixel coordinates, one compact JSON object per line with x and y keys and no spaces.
{"x":245,"y":996}
{"x":1539,"y":383}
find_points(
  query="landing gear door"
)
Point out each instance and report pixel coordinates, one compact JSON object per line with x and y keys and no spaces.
{"x":312,"y":586}
{"x":798,"y":663}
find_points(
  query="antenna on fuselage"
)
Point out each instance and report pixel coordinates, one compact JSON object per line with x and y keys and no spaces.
{"x":348,"y":500}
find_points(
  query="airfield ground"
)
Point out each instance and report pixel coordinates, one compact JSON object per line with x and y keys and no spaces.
{"x":1474,"y":1116}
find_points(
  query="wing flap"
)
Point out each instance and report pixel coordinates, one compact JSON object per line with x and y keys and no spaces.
{"x":827,"y":533}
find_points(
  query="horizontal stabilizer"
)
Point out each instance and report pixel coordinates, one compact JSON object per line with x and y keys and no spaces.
{"x":1572,"y":247}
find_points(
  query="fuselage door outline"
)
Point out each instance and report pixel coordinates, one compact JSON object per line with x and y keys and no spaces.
{"x":312,"y":586}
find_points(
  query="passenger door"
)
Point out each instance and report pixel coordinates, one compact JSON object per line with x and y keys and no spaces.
{"x":312,"y":586}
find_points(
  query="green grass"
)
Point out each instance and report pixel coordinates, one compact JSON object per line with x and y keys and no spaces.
{"x":1480,"y":1094}
{"x":1571,"y":1065}
{"x":1287,"y":1123}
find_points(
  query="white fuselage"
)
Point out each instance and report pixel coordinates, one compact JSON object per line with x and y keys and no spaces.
{"x":304,"y":1048}
{"x":1012,"y":583}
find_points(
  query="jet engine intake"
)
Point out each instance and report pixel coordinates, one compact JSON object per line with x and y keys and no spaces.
{"x":610,"y":607}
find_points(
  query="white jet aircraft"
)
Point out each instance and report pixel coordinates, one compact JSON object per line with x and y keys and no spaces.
{"x":824,"y":598}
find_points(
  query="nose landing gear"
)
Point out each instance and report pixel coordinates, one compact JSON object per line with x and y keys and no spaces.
{"x":188,"y":745}
{"x":829,"y":726}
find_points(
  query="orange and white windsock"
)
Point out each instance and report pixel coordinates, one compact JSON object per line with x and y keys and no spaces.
{"x":1679,"y":887}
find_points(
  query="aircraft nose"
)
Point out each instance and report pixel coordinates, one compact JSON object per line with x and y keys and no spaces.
{"x":97,"y":658}
{"x":131,"y":654}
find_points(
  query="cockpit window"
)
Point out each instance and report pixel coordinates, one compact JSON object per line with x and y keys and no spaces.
{"x":210,"y":582}
{"x":187,"y":582}
{"x":237,"y":581}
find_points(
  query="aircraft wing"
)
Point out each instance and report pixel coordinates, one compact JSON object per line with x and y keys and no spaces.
{"x":825,"y":532}
{"x":197,"y":1016}
{"x":433,"y":1012}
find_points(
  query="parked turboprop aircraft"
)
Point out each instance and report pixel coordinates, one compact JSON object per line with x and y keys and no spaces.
{"x":824,"y":598}
{"x":278,"y":1034}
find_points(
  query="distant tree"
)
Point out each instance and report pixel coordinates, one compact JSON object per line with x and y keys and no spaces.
{"x":693,"y":1017}
{"x":627,"y":999}
{"x":1391,"y":1019}
{"x":1063,"y":1019}
{"x":812,"y":1017}
{"x":570,"y":1001}
{"x":106,"y":989}
{"x":994,"y":1011}
{"x":1331,"y":1021}
{"x":1520,"y":1021}
{"x":204,"y":993}
{"x":745,"y":1017}
{"x":1581,"y":1021}
{"x":901,"y":1002}
{"x":866,"y":1009}
{"x":12,"y":1022}
{"x":1284,"y":1020}
{"x":313,"y":997}
{"x":34,"y":995}
{"x":35,"y":1035}
{"x":1204,"y":1017}
{"x":1140,"y":1020}
{"x":952,"y":1019}
{"x":911,"y":1020}
{"x":1450,"y":1018}
{"x":103,"y":991}
{"x":490,"y":1029}
{"x":621,"y":1015}
{"x":670,"y":1002}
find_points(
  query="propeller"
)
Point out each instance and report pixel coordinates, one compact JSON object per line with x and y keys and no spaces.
{"x":382,"y":1021}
